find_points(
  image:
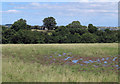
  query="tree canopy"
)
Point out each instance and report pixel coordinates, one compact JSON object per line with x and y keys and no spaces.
{"x":74,"y":24}
{"x":49,"y":23}
{"x":74,"y":32}
{"x":20,"y":24}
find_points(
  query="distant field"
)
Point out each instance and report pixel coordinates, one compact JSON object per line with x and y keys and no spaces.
{"x":41,"y":30}
{"x":60,"y":62}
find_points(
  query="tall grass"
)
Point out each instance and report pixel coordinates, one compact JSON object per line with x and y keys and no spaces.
{"x":18,"y":63}
{"x":14,"y":70}
{"x":97,"y":49}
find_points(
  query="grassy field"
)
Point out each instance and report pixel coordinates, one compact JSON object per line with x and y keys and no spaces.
{"x":60,"y":62}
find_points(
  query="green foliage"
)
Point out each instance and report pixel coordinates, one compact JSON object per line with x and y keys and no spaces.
{"x":4,"y":28}
{"x":74,"y":24}
{"x":7,"y":35}
{"x":29,"y":63}
{"x":91,"y":28}
{"x":25,"y":36}
{"x":89,"y":38}
{"x":49,"y":23}
{"x":74,"y":32}
{"x":20,"y":24}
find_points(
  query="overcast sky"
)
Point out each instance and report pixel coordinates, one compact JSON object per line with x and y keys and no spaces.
{"x":96,"y":13}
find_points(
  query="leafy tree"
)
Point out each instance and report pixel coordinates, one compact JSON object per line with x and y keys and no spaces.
{"x":7,"y":35}
{"x":84,"y":27}
{"x":91,"y":28}
{"x":89,"y":38}
{"x":74,"y":24}
{"x":36,"y":27}
{"x":109,"y":38}
{"x":28,"y":37}
{"x":108,"y":31}
{"x":3,"y":28}
{"x":49,"y":23}
{"x":20,"y":24}
{"x":29,"y":27}
{"x":76,"y":38}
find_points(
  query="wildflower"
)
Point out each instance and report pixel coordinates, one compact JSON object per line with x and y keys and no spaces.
{"x":64,"y":53}
{"x":59,"y":55}
{"x":107,"y":58}
{"x":86,"y":62}
{"x":102,"y":59}
{"x":81,"y":64}
{"x":98,"y":60}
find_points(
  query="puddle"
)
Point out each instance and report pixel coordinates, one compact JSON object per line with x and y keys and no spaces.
{"x":86,"y":62}
{"x":74,"y":61}
{"x":67,"y":58}
{"x":105,"y":61}
{"x":114,"y":58}
{"x":91,"y":61}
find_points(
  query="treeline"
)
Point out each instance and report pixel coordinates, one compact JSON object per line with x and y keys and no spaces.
{"x":20,"y":33}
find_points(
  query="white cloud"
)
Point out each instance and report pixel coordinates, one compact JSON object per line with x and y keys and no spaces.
{"x":35,"y":4}
{"x":44,"y":5}
{"x":103,"y":0}
{"x":92,"y":11}
{"x":60,"y":0}
{"x":20,"y":7}
{"x":10,"y":11}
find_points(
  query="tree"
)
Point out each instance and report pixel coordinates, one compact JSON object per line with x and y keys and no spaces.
{"x":89,"y":38}
{"x":7,"y":35}
{"x":74,"y":24}
{"x":108,"y":31}
{"x":20,"y":24}
{"x":49,"y":23}
{"x":28,"y":37}
{"x":3,"y":28}
{"x":91,"y":28}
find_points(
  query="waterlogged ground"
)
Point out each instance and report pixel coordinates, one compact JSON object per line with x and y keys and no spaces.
{"x":108,"y":63}
{"x":61,"y":63}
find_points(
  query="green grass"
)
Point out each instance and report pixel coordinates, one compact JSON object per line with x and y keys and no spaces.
{"x":15,"y":70}
{"x":18,"y":63}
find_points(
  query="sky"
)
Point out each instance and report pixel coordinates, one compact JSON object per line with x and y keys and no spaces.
{"x":96,"y":13}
